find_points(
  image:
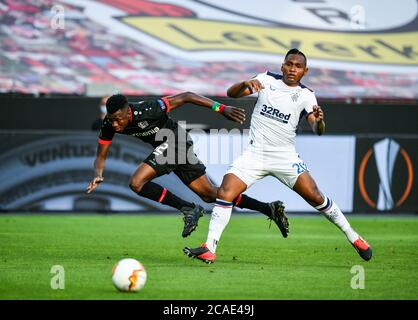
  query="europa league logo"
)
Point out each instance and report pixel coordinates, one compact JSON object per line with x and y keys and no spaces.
{"x":385,"y":153}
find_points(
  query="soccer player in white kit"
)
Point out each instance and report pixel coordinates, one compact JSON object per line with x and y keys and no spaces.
{"x":282,"y":101}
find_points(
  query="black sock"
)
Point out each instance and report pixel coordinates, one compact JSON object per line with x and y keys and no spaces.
{"x":244,"y":201}
{"x":155,"y":192}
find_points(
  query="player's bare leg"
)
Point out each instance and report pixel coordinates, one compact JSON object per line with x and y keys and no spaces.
{"x":141,"y":184}
{"x":306,"y":187}
{"x":273,"y":210}
{"x":141,"y":176}
{"x":230,"y":188}
{"x":204,"y":188}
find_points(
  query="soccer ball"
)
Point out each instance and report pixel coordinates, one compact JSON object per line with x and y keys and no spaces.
{"x":129,"y":275}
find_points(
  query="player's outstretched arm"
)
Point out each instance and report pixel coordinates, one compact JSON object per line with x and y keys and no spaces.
{"x":229,"y":112}
{"x":244,"y":88}
{"x":316,"y":120}
{"x":99,"y":165}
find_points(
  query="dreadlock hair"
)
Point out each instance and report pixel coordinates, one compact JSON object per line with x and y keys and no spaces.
{"x":116,"y":102}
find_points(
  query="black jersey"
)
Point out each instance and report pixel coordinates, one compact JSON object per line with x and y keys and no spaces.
{"x":147,"y":118}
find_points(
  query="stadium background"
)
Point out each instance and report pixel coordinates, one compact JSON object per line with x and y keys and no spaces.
{"x":58,"y":58}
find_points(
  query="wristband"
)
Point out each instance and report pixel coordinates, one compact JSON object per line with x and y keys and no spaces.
{"x":218,"y":107}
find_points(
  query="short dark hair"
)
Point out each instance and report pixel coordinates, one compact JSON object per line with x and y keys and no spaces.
{"x":296,"y":51}
{"x":116,"y":102}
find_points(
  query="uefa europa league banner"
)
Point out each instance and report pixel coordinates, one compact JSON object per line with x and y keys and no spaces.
{"x":386,"y":175}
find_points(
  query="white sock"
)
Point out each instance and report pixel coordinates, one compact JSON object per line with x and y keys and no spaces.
{"x":221,"y":214}
{"x":331,"y":211}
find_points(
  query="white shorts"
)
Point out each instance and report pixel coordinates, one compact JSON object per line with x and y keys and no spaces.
{"x":252,"y":166}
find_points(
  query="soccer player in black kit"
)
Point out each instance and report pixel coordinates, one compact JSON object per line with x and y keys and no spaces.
{"x":146,"y":120}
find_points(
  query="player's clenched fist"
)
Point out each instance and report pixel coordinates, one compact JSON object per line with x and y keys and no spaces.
{"x":318,"y":113}
{"x":253,"y":85}
{"x":94,"y":183}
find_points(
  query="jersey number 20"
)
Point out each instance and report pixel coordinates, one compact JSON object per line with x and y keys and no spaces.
{"x":301,"y":167}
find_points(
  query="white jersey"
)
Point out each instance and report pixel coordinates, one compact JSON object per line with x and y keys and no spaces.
{"x":277,"y":112}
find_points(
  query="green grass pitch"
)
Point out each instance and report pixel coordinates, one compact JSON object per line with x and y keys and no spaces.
{"x":254,"y":262}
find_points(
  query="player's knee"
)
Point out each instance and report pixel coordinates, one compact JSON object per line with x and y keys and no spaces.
{"x":225,"y":194}
{"x":316,"y":198}
{"x":136,"y":185}
{"x":313,"y":196}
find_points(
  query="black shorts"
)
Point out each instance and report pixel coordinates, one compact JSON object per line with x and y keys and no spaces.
{"x":182,"y":161}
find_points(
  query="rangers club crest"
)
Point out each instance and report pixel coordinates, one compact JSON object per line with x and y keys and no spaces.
{"x":295,"y":96}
